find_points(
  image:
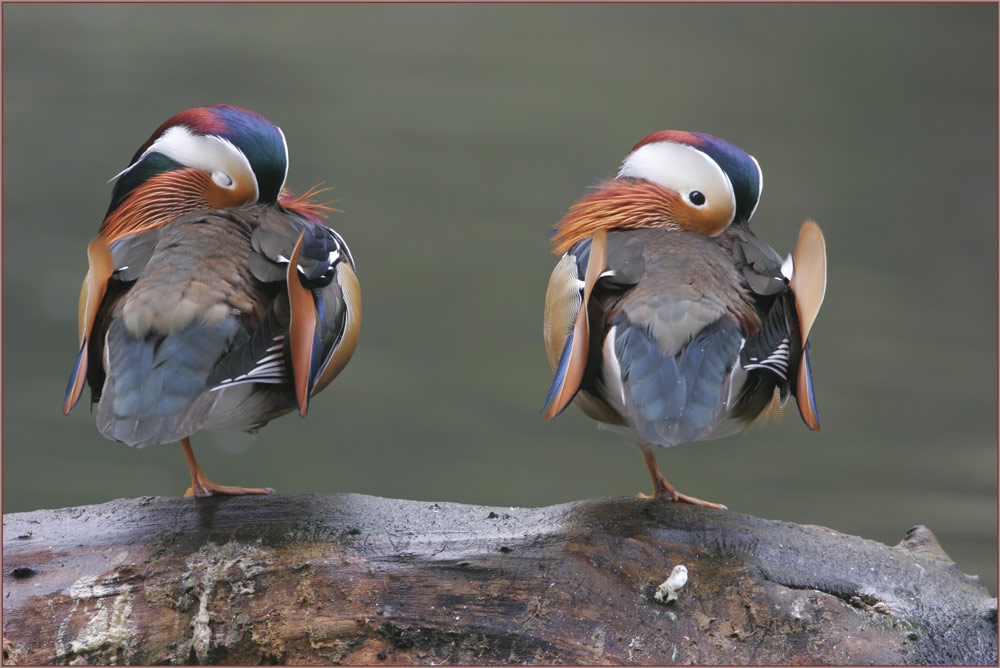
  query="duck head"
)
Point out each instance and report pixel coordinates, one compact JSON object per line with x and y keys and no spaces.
{"x":671,"y":179}
{"x":209,"y":157}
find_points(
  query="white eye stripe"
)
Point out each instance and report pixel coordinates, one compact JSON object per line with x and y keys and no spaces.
{"x":209,"y":153}
{"x":684,"y":169}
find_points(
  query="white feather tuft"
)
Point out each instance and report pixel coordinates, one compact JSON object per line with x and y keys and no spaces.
{"x":788,"y":267}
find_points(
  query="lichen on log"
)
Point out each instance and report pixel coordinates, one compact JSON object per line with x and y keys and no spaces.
{"x":320,"y":579}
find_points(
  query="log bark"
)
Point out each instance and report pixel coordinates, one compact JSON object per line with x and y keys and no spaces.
{"x":320,"y":579}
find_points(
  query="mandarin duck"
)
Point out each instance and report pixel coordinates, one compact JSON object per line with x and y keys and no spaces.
{"x":214,"y":298}
{"x":666,"y":319}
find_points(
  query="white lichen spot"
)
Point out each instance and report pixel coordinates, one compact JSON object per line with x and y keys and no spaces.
{"x":208,"y":566}
{"x":598,"y":641}
{"x":201,"y":631}
{"x":667,"y":592}
{"x":88,"y":587}
{"x":636,"y":645}
{"x":107,"y":632}
{"x":106,"y":636}
{"x":106,"y":629}
{"x":798,"y":607}
{"x":881,"y":608}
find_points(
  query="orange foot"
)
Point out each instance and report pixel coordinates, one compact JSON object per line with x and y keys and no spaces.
{"x":201,"y":486}
{"x":664,"y":490}
{"x":205,"y":487}
{"x":683,"y":498}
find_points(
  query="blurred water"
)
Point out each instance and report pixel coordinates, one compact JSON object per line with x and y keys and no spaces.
{"x":454,"y":136}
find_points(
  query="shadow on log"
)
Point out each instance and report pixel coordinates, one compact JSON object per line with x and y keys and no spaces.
{"x":316,"y":579}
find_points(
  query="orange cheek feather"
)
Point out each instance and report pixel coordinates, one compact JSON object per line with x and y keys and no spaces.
{"x":167,"y":196}
{"x":702,"y":221}
{"x":218,"y":197}
{"x":630,"y":204}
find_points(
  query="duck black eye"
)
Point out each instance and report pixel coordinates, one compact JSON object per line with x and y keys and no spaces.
{"x":696,"y":197}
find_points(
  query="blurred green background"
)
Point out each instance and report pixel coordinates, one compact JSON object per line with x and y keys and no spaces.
{"x":454,"y":136}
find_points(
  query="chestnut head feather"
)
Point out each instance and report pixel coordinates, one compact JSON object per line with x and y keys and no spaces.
{"x":204,"y":158}
{"x":672,"y":179}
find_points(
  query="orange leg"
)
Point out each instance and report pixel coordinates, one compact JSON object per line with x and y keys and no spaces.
{"x":664,"y":490}
{"x":201,"y":486}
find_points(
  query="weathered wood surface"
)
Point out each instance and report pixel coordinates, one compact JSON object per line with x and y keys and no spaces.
{"x":363,"y":580}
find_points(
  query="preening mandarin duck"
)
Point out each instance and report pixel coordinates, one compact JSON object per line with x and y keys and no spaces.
{"x":214,"y":299}
{"x":666,"y":318}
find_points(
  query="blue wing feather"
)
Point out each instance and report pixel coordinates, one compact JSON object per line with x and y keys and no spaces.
{"x":809,"y":383}
{"x":560,"y":376}
{"x":73,"y":375}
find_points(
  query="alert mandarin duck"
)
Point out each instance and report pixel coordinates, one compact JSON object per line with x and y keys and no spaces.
{"x":666,"y":318}
{"x":214,"y":298}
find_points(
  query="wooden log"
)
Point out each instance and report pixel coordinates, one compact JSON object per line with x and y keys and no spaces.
{"x":320,"y":579}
